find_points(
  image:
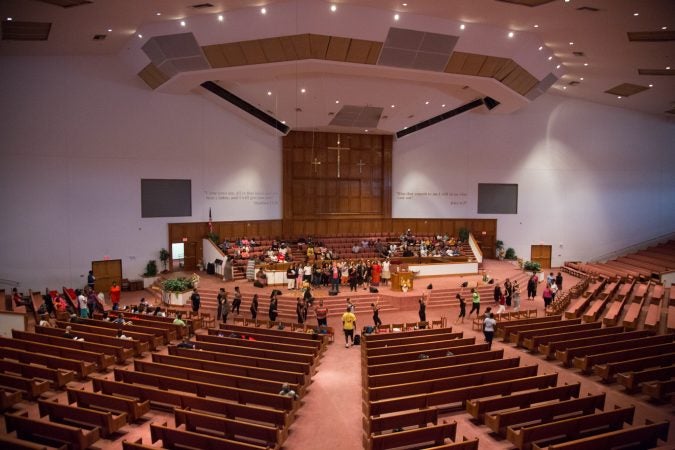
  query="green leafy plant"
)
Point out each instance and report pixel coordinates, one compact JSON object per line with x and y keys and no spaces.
{"x":510,"y":253}
{"x":213,"y":237}
{"x":499,"y":244}
{"x":164,"y":256}
{"x":463,"y":234}
{"x":150,"y":268}
{"x":177,"y":285}
{"x":532,"y":266}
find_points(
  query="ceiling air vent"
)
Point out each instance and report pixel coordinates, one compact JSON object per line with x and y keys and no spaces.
{"x":580,"y":54}
{"x":66,"y":3}
{"x":413,"y":49}
{"x":14,"y":30}
{"x":100,"y":37}
{"x":574,"y":83}
{"x":202,"y":5}
{"x":588,"y":9}
{"x":626,"y":89}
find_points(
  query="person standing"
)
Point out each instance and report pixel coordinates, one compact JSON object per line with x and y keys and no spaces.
{"x":554,"y":291}
{"x":559,"y":281}
{"x":221,"y":298}
{"x":272,"y":313}
{"x":386,"y":274}
{"x":462,"y":307}
{"x":489,"y":329}
{"x":91,"y":280}
{"x":254,"y":307}
{"x":508,"y":291}
{"x":475,"y":302}
{"x":82,"y":303}
{"x":497,"y":292}
{"x":236,"y":302}
{"x":92,"y":301}
{"x":376,"y":313}
{"x":115,"y":294}
{"x":196,"y":300}
{"x":290,"y":276}
{"x":299,"y":305}
{"x":423,"y":309}
{"x":335,"y":277}
{"x":321,"y":314}
{"x":548,"y":295}
{"x":532,"y":287}
{"x":516,"y":297}
{"x":348,"y":326}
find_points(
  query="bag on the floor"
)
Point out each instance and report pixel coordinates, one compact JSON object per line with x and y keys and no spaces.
{"x":368,"y":330}
{"x":357,"y":339}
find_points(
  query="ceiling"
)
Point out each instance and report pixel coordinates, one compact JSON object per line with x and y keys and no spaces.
{"x":596,"y":28}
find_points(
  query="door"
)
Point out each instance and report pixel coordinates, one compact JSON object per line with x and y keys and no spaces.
{"x":542,"y":255}
{"x":190,"y":260}
{"x":106,"y":272}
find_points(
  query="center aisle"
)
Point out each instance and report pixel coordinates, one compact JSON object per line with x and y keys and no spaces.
{"x":331,"y":414}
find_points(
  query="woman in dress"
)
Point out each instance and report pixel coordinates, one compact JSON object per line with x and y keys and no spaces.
{"x":254,"y":307}
{"x":462,"y":307}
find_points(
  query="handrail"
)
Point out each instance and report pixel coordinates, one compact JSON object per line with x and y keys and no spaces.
{"x":9,"y":282}
{"x":634,"y":247}
{"x":475,"y":248}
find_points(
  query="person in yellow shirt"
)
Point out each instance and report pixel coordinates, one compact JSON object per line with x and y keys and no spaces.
{"x":348,"y":326}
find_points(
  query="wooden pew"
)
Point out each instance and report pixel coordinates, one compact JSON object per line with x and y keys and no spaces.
{"x":242,"y":360}
{"x":11,"y":443}
{"x":421,"y":418}
{"x":374,"y":381}
{"x":659,"y":390}
{"x":280,"y":376}
{"x":137,"y":347}
{"x":152,"y":340}
{"x":522,"y":336}
{"x":55,"y":433}
{"x":166,"y":334}
{"x":458,"y":395}
{"x":585,"y":363}
{"x":479,"y":407}
{"x":429,"y":386}
{"x":412,"y":339}
{"x":229,"y":428}
{"x":632,"y":380}
{"x":221,"y":379}
{"x":541,"y":414}
{"x":598,"y":305}
{"x":646,"y":436}
{"x":433,"y":433}
{"x":571,"y":428}
{"x":501,"y":329}
{"x":136,"y":445}
{"x":653,"y":317}
{"x":290,"y":348}
{"x":548,"y":344}
{"x":78,"y":415}
{"x":418,"y":347}
{"x":180,"y":331}
{"x":377,"y":337}
{"x":254,"y":352}
{"x":514,"y":333}
{"x":268,"y":338}
{"x":202,"y":389}
{"x":567,"y":355}
{"x":670,"y":323}
{"x":578,"y":306}
{"x":110,"y":353}
{"x":154,"y":395}
{"x":609,"y":370}
{"x":462,"y":348}
{"x":432,"y":363}
{"x":8,"y":398}
{"x":172,"y":438}
{"x":295,"y":335}
{"x":464,"y":444}
{"x":30,"y":387}
{"x":81,"y":368}
{"x":630,"y":320}
{"x":101,"y":360}
{"x":133,"y":409}
{"x":57,"y":377}
{"x":612,"y":315}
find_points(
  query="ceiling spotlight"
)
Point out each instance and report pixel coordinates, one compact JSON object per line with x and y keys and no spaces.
{"x":404,"y":4}
{"x":158,"y":14}
{"x":9,"y":19}
{"x":427,"y":102}
{"x":511,"y":34}
{"x":536,"y":26}
{"x":558,"y":66}
{"x":550,"y":58}
{"x":396,"y":17}
{"x":667,"y":67}
{"x":365,"y":131}
{"x":140,"y":35}
{"x":541,"y":47}
{"x":220,"y":18}
{"x":571,"y":43}
{"x":567,"y":1}
{"x":585,"y":64}
{"x":263,"y":10}
{"x":393,"y":106}
{"x":564,"y":88}
{"x":651,"y":85}
{"x":269,"y":92}
{"x":303,"y":90}
{"x":109,"y":30}
{"x":636,"y":14}
{"x":284,"y":122}
{"x":333,"y":8}
{"x":619,"y":96}
{"x":337,"y":101}
{"x":462,"y":26}
{"x":182,"y":23}
{"x":443,"y":105}
{"x":663,"y":28}
{"x":405,"y":128}
{"x":582,"y":78}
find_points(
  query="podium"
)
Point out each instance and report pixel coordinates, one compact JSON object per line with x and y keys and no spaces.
{"x":400,"y":278}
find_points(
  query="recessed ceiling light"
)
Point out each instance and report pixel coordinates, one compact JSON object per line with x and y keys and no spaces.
{"x":365,"y":131}
{"x":462,"y":26}
{"x":636,"y":14}
{"x":427,"y":102}
{"x":263,"y":10}
{"x":567,"y":1}
{"x":443,"y":105}
{"x":303,"y":90}
{"x":140,"y":35}
{"x":333,"y":8}
{"x":651,"y":85}
{"x":536,"y":26}
{"x":220,"y":18}
{"x":564,"y":88}
{"x":158,"y":14}
{"x":511,"y":34}
{"x":541,"y":47}
{"x":582,"y":78}
{"x":405,"y":128}
{"x":109,"y":30}
{"x":284,"y":122}
{"x":550,"y":58}
{"x":337,"y":101}
{"x":558,"y":66}
{"x":667,"y":67}
{"x":618,"y":96}
{"x":182,"y":23}
{"x":396,"y":17}
{"x":269,"y":92}
{"x":585,"y":64}
{"x":663,"y":28}
{"x":405,"y":4}
{"x":393,"y":106}
{"x":571,"y":43}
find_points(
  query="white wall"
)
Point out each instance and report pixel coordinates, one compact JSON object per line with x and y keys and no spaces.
{"x":78,"y":134}
{"x":591,"y":178}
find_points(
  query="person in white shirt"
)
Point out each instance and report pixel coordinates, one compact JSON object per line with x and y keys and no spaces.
{"x":82,"y":302}
{"x":554,"y":291}
{"x":489,"y":329}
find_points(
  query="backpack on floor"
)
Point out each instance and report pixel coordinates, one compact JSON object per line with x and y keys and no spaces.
{"x":357,"y":339}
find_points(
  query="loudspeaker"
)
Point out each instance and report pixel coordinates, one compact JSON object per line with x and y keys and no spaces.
{"x":332,"y":293}
{"x":430,"y":286}
{"x":218,"y":262}
{"x":373,"y":290}
{"x":465,"y":284}
{"x":490,"y":103}
{"x":210,"y":268}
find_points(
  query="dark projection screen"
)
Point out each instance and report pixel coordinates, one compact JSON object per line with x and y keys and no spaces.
{"x":166,"y":198}
{"x":497,"y":198}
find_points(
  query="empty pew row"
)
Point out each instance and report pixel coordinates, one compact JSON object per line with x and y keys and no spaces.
{"x":307,"y":350}
{"x":54,"y":434}
{"x":234,"y":349}
{"x":522,"y":336}
{"x":568,"y":355}
{"x":441,"y":361}
{"x":552,"y":343}
{"x":30,"y":388}
{"x":107,"y":422}
{"x":152,"y":341}
{"x":456,"y":347}
{"x":379,"y":337}
{"x":578,"y":306}
{"x":81,"y":368}
{"x":608,"y":370}
{"x":174,"y":438}
{"x":137,"y":347}
{"x":101,"y":360}
{"x":133,"y":408}
{"x":541,"y":340}
{"x":395,"y":341}
{"x":633,"y":379}
{"x":12,"y":443}
{"x":613,"y":313}
{"x":440,"y":341}
{"x":670,"y":324}
{"x":502,"y":328}
{"x":294,"y":335}
{"x":57,"y":377}
{"x":8,"y":398}
{"x":653,"y":317}
{"x":586,"y":362}
{"x":119,"y":353}
{"x":659,"y":390}
{"x":432,"y":435}
{"x":315,"y":344}
{"x":630,"y":319}
{"x":598,"y":305}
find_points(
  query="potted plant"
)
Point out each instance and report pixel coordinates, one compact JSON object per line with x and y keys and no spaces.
{"x":178,"y":290}
{"x":532,"y":266}
{"x":499,"y":247}
{"x":213,"y":237}
{"x":463,"y":234}
{"x":510,"y":254}
{"x":150,"y":274}
{"x":164,"y":256}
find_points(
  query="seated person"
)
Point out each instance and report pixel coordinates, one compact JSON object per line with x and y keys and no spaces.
{"x":120,"y":335}
{"x":59,"y":304}
{"x":20,"y":300}
{"x":120,"y":320}
{"x":186,"y":343}
{"x":105,"y":316}
{"x":44,"y":321}
{"x":179,"y":320}
{"x":261,"y":277}
{"x":158,"y":312}
{"x":69,"y":334}
{"x":286,"y":391}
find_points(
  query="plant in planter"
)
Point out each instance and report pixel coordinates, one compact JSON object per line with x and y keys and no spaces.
{"x":164,"y":257}
{"x":499,"y":247}
{"x":150,"y":269}
{"x":177,"y":284}
{"x":463,"y":234}
{"x":510,"y":254}
{"x":213,"y":237}
{"x":532,"y":266}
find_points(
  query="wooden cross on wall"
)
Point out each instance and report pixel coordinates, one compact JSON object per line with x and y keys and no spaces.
{"x":316,"y":163}
{"x":338,"y":148}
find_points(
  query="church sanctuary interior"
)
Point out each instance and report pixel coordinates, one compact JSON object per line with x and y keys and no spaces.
{"x":349,"y":224}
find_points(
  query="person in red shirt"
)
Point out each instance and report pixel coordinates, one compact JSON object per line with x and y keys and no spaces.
{"x":115,"y":294}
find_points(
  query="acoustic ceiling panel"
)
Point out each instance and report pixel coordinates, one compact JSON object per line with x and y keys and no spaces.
{"x":66,"y":3}
{"x":414,"y":49}
{"x":174,"y":53}
{"x":357,"y":116}
{"x":541,"y":87}
{"x":152,"y":76}
{"x":626,"y":89}
{"x":16,"y":30}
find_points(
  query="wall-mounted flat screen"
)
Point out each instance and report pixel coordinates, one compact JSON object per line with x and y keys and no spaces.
{"x":166,"y":198}
{"x":497,"y":198}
